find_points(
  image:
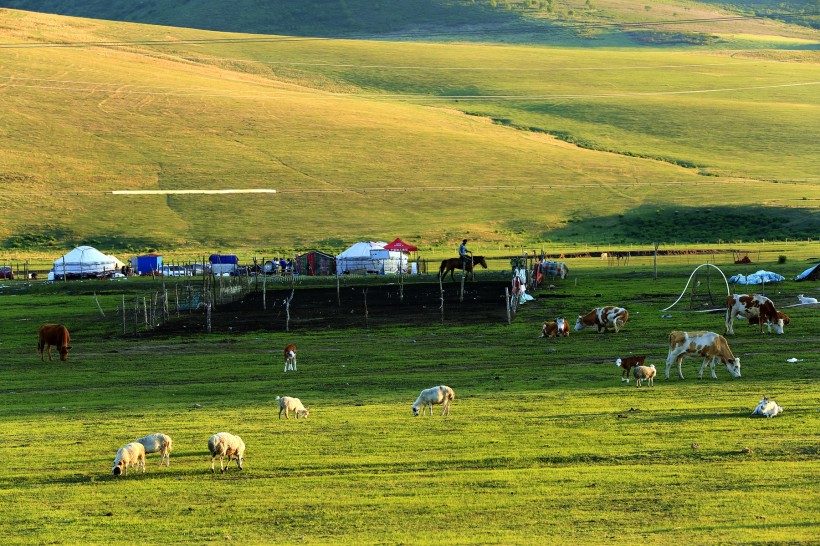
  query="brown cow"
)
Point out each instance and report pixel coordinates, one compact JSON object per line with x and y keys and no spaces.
{"x":603,"y":318}
{"x":627,"y":363}
{"x":57,"y":335}
{"x":752,"y":305}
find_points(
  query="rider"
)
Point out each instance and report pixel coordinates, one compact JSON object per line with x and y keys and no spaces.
{"x":465,"y":255}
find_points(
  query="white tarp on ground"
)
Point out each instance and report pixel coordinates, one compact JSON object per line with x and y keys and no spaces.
{"x":370,"y":257}
{"x":759,"y":277}
{"x":85,"y":260}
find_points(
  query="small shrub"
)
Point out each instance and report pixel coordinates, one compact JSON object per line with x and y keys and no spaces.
{"x":781,"y":259}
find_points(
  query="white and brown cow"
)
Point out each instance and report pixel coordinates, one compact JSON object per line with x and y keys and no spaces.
{"x":603,"y":318}
{"x":559,"y":328}
{"x":752,"y":305}
{"x":709,"y":345}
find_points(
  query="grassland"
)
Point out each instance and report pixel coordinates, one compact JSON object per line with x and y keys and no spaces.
{"x":507,"y":144}
{"x":544,"y":443}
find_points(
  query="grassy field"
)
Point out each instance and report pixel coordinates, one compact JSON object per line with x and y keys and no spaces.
{"x":507,"y":144}
{"x":544,"y":443}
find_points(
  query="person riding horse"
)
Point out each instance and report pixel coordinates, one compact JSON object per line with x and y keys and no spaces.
{"x":466,"y":256}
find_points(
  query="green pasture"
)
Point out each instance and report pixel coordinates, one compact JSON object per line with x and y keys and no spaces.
{"x":362,"y":139}
{"x":544,"y":443}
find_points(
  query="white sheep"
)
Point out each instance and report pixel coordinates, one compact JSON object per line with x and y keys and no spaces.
{"x":132,"y":455}
{"x":642,"y":373}
{"x":767,"y":408}
{"x":161,"y":443}
{"x":289,"y":404}
{"x":806,"y":300}
{"x":224,"y":444}
{"x":434,"y":396}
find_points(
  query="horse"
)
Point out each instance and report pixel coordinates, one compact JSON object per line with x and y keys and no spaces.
{"x":451,"y":264}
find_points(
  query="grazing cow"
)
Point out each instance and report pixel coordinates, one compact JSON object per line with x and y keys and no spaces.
{"x":780,"y":316}
{"x":626,"y":364}
{"x":645,"y":373}
{"x":57,"y":335}
{"x":290,"y":357}
{"x":709,"y":345}
{"x":752,"y":305}
{"x":559,"y":328}
{"x":434,"y":396}
{"x":603,"y":318}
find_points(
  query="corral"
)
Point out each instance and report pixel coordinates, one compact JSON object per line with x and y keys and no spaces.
{"x":354,"y":307}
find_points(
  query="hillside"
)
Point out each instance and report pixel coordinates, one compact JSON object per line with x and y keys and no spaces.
{"x":591,"y":22}
{"x":506,"y":144}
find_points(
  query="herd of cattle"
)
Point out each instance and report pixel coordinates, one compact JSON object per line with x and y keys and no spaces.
{"x":757,"y":309}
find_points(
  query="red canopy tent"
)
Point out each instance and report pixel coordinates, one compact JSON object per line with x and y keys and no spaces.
{"x":400,"y":246}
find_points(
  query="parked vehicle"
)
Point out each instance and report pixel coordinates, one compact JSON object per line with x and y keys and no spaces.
{"x":174,"y":271}
{"x":6,"y":272}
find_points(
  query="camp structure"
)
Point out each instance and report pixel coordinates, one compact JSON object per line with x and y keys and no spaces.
{"x":223,"y":264}
{"x":85,"y":262}
{"x":370,"y":257}
{"x":811,"y":274}
{"x":146,"y":265}
{"x":315,"y":263}
{"x":400,"y":246}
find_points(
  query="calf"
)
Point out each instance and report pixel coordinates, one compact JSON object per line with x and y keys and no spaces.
{"x":559,"y":328}
{"x":644,"y":373}
{"x":57,"y":335}
{"x":603,"y":318}
{"x":780,"y":317}
{"x":752,"y":305}
{"x":290,"y":357}
{"x":626,"y":365}
{"x":709,"y":345}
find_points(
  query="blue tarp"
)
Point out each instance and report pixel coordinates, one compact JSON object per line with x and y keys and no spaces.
{"x":759,"y":277}
{"x":231,"y":259}
{"x":807,"y":274}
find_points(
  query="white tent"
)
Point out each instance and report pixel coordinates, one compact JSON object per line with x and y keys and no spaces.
{"x":370,"y":257}
{"x":85,"y":261}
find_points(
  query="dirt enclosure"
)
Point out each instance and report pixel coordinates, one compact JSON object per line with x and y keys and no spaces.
{"x":352,"y":307}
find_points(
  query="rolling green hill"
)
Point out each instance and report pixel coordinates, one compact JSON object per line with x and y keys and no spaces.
{"x":506,"y":143}
{"x":540,"y":21}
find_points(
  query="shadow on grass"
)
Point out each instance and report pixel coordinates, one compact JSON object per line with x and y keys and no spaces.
{"x":650,"y":223}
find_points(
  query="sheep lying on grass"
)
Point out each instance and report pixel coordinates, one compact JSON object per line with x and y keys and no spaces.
{"x":132,"y":455}
{"x":646,"y":373}
{"x":158,"y":443}
{"x":434,"y":396}
{"x":224,"y":444}
{"x":767,"y":408}
{"x":289,"y":404}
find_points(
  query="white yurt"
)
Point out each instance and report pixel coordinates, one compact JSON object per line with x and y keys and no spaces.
{"x":85,"y":261}
{"x":370,"y":257}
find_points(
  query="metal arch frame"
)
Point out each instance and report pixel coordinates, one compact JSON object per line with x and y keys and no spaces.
{"x":728,"y":293}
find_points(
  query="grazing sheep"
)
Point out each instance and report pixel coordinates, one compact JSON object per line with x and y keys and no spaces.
{"x":434,"y":396}
{"x":289,"y":404}
{"x":626,"y":364}
{"x":767,"y":408}
{"x":559,"y":328}
{"x":642,"y":373}
{"x":161,"y":443}
{"x":223,"y":445}
{"x":290,"y":357}
{"x":805,"y":299}
{"x":132,"y":455}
